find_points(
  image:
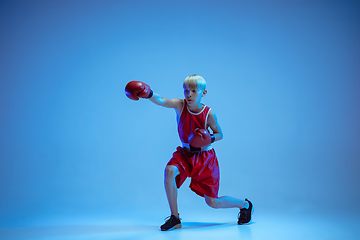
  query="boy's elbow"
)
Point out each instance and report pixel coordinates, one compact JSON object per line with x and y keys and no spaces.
{"x":160,"y":102}
{"x":163,"y":102}
{"x":221,"y":136}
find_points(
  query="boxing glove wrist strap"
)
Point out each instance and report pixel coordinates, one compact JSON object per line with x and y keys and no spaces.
{"x":212,"y":138}
{"x":150,"y":94}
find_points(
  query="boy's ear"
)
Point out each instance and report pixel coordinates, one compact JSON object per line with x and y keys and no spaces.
{"x":204,"y":92}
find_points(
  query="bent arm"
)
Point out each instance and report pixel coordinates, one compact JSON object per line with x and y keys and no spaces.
{"x":161,"y":101}
{"x":214,"y":125}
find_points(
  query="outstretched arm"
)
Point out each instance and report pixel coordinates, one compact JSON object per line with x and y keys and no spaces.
{"x":161,"y":101}
{"x":137,"y":89}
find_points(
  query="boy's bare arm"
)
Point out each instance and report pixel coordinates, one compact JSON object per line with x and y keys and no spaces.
{"x":215,"y":126}
{"x":161,"y":101}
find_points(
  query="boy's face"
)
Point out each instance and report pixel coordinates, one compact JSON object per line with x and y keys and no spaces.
{"x":193,"y":95}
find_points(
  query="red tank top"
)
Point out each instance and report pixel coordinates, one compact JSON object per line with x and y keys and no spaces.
{"x":189,"y":121}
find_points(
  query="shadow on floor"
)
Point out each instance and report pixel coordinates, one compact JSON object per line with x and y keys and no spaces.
{"x":197,"y":225}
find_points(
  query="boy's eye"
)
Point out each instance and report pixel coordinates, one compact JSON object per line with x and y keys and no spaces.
{"x":189,"y":90}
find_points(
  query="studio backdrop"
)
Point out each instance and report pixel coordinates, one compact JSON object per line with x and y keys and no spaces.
{"x":282,"y":77}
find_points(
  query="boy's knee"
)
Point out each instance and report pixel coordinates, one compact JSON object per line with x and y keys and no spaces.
{"x":212,"y":202}
{"x":171,"y":170}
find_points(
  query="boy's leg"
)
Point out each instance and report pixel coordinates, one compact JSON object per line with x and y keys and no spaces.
{"x":246,"y":207}
{"x":171,"y":192}
{"x":171,"y":189}
{"x":225,"y":202}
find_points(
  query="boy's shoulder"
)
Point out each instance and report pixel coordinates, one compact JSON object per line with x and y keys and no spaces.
{"x":212,"y":113}
{"x":179,"y":103}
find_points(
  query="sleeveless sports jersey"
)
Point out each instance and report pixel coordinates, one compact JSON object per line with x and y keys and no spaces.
{"x":189,"y":121}
{"x":202,"y":166}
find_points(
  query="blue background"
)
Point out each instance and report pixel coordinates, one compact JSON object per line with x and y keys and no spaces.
{"x":283,"y":79}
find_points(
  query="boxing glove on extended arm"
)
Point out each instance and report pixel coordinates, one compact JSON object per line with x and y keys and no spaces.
{"x":200,"y":138}
{"x":136,"y":89}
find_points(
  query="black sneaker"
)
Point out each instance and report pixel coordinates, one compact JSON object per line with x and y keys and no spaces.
{"x":245,"y":214}
{"x":173,"y":222}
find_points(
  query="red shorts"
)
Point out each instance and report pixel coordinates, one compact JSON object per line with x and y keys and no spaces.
{"x":202,"y":167}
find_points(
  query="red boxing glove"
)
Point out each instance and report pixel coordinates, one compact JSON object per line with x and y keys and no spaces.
{"x":136,"y":89}
{"x":200,"y":138}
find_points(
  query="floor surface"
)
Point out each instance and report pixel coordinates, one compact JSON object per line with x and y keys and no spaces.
{"x":264,"y":226}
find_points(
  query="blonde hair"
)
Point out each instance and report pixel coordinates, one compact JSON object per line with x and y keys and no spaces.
{"x":195,"y":81}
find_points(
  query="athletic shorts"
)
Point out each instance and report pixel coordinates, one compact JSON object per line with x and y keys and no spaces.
{"x":203,"y":169}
